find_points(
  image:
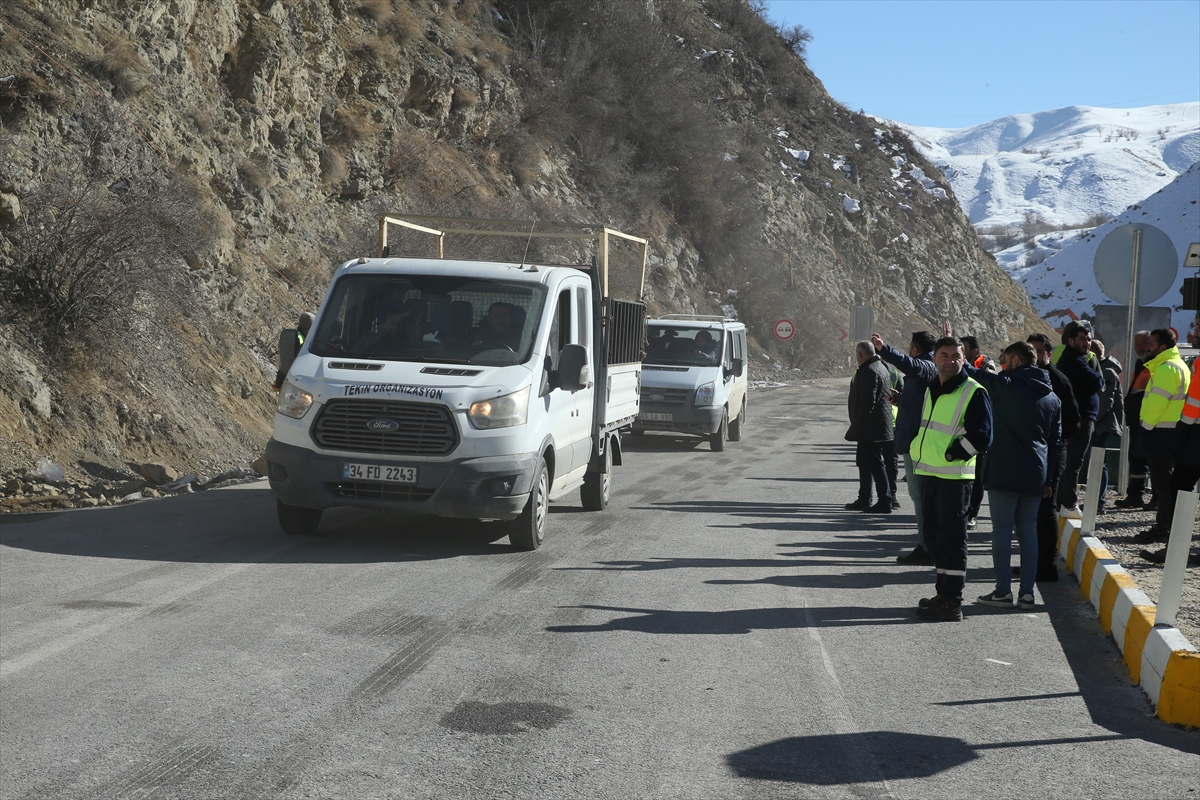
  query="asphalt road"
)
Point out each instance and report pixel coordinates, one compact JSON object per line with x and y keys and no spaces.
{"x":723,"y":630}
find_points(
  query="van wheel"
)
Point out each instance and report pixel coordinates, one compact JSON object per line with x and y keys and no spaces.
{"x":597,"y":486}
{"x":717,"y":440}
{"x":736,"y":427}
{"x":297,"y":521}
{"x":527,"y":531}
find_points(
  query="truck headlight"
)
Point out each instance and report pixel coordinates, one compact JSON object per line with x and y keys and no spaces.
{"x":293,"y":401}
{"x":704,"y":395}
{"x":501,"y":412}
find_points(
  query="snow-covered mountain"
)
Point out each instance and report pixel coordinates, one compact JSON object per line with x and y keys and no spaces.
{"x":1065,"y":165}
{"x":1065,"y":281}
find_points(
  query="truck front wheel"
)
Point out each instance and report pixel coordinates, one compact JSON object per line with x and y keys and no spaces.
{"x":597,"y":486}
{"x":737,"y":427}
{"x":527,"y":531}
{"x":297,"y":521}
{"x":717,"y":440}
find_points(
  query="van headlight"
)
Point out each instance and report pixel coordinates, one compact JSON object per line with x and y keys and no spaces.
{"x":293,"y":401}
{"x":704,"y":395}
{"x":501,"y":412}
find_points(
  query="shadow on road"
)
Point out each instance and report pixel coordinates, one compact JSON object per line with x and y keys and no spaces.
{"x":740,"y":621}
{"x":848,"y":758}
{"x":239,"y":526}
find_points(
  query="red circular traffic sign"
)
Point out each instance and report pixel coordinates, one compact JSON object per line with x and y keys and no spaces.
{"x":785,"y":329}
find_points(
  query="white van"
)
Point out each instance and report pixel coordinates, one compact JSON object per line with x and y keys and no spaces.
{"x":469,"y":389}
{"x":694,"y":378}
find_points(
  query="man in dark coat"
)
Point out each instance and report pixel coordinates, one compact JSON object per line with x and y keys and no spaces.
{"x":1139,"y":468}
{"x":1086,"y":384}
{"x":1025,"y":418}
{"x":870,"y":411}
{"x":918,"y":369}
{"x":1047,"y":523}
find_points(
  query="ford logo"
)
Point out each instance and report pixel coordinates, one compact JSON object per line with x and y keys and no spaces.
{"x":658,"y":397}
{"x":383,"y":425}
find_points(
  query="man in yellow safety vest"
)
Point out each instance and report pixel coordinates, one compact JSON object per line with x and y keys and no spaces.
{"x":1162,"y":408}
{"x":955,"y":428}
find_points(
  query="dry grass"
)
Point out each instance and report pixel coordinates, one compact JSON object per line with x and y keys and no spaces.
{"x":354,"y":124}
{"x":333,"y":168}
{"x":125,"y":67}
{"x":404,"y":26}
{"x":378,"y":11}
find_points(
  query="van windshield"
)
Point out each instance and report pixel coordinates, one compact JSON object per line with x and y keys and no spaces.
{"x":429,"y":318}
{"x":683,"y":347}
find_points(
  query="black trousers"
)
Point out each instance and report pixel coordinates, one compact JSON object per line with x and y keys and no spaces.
{"x":891,"y":465}
{"x":1047,"y":519}
{"x":1161,"y":470}
{"x":868,"y":457}
{"x":1077,"y":449}
{"x":945,"y":504}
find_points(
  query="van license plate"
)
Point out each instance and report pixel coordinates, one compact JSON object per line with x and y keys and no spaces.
{"x":649,"y":417}
{"x":379,"y":472}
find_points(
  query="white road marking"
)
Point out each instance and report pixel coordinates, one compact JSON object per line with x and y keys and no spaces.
{"x":65,"y":642}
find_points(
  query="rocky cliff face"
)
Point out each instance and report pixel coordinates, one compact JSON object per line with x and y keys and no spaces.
{"x":179,"y":178}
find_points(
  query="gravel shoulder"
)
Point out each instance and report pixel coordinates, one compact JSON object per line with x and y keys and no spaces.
{"x":1117,"y":529}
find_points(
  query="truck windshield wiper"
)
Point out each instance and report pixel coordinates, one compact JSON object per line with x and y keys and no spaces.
{"x":334,"y":345}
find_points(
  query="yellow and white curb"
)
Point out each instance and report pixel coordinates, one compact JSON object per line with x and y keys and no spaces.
{"x":1161,"y":660}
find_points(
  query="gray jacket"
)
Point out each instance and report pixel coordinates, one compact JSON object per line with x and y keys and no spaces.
{"x":1111,"y":416}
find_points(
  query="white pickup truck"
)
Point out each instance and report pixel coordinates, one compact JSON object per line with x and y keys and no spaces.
{"x":469,"y":389}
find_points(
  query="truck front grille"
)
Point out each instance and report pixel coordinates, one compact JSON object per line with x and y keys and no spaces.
{"x":361,"y":426}
{"x":670,"y":397}
{"x":366,"y":490}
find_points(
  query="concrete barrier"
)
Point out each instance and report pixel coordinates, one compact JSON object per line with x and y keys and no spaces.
{"x":1160,"y":659}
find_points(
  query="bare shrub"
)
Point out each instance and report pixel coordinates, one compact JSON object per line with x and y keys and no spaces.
{"x":92,"y":237}
{"x":354,"y":124}
{"x":1096,"y":220}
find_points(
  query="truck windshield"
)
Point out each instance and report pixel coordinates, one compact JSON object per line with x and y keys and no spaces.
{"x":683,"y":347}
{"x":429,"y":318}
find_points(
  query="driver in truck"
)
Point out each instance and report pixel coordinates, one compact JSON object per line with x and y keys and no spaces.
{"x":497,"y":328}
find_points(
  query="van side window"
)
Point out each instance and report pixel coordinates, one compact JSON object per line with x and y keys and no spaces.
{"x":739,"y":347}
{"x":729,"y":351}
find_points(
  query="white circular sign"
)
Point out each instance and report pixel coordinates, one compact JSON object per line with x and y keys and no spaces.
{"x":1113,"y":264}
{"x":785,"y":329}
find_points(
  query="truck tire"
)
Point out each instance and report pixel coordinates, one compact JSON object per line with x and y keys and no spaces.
{"x":597,"y":486}
{"x":717,"y":440}
{"x":738,"y":425}
{"x":297,"y":521}
{"x":527,"y":531}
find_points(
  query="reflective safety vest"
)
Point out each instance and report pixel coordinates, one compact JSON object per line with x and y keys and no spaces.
{"x":1191,"y":406}
{"x":941,"y":424}
{"x":1163,"y":403}
{"x":1092,"y":359}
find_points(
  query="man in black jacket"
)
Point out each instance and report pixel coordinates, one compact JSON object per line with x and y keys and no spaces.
{"x":918,"y":369}
{"x":1047,"y":523}
{"x":1086,"y":384}
{"x":870,"y":411}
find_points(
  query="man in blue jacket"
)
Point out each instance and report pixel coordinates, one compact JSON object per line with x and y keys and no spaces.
{"x":919,"y":370}
{"x":1086,"y":385}
{"x":1026,"y":418}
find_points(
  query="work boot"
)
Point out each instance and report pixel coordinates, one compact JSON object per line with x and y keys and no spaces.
{"x":942,"y":609}
{"x":1151,"y":535}
{"x":1133,"y":496}
{"x":884,"y":506}
{"x":858,"y":505}
{"x":919,"y":557}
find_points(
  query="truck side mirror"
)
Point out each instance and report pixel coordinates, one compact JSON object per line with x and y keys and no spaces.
{"x":288,"y":348}
{"x":739,"y":364}
{"x":572,"y":368}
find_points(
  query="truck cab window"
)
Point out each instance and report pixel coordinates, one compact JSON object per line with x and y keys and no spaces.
{"x":561,"y":329}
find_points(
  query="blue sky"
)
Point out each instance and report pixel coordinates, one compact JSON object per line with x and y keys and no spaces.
{"x":952,"y":64}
